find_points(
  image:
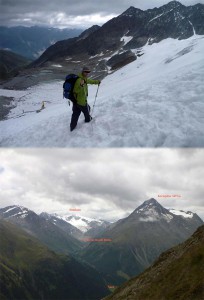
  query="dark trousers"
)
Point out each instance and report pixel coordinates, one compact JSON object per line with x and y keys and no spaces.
{"x":77,"y":109}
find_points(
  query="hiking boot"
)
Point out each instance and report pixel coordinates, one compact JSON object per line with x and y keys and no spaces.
{"x":88,"y":120}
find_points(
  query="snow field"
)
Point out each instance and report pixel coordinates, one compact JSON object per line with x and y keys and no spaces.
{"x":156,"y":101}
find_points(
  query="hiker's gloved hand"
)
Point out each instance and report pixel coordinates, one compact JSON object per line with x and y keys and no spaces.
{"x":99,"y":82}
{"x":82,"y":83}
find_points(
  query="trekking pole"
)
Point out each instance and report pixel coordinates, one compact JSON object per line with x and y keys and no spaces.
{"x":95,"y":100}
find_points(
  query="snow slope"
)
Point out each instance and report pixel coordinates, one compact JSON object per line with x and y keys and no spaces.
{"x":182,"y":213}
{"x":80,"y":222}
{"x":156,"y":101}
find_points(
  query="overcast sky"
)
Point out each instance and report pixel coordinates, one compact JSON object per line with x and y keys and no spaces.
{"x":107,"y":184}
{"x":67,"y":13}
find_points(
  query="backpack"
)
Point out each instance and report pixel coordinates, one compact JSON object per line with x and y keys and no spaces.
{"x":68,"y":87}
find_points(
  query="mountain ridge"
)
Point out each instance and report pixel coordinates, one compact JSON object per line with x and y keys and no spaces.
{"x":137,"y":241}
{"x":11,"y":63}
{"x":182,"y":22}
{"x":121,"y":250}
{"x":29,"y":270}
{"x":44,"y":230}
{"x":176,"y":274}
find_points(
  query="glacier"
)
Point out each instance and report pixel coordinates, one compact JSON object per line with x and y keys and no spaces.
{"x":155,"y":101}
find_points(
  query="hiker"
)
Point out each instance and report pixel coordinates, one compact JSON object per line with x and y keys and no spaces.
{"x":80,"y":93}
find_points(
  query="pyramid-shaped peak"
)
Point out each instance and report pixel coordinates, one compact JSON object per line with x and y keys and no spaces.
{"x":131,"y":11}
{"x":174,"y":4}
{"x":151,"y":201}
{"x":151,"y":204}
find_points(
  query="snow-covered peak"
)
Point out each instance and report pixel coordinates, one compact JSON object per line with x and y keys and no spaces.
{"x":150,"y":210}
{"x":15,"y":210}
{"x":150,"y":204}
{"x":80,"y":222}
{"x":182,"y":213}
{"x":9,"y":208}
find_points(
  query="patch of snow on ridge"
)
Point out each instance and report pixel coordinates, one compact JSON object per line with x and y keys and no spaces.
{"x":151,"y":211}
{"x":9,"y":209}
{"x":57,"y":66}
{"x":182,"y":213}
{"x":126,"y":39}
{"x":167,"y":217}
{"x":100,"y":54}
{"x":194,"y":32}
{"x":153,"y":217}
{"x":148,"y":219}
{"x":21,"y":213}
{"x":23,"y":216}
{"x":156,"y":17}
{"x":23,"y":209}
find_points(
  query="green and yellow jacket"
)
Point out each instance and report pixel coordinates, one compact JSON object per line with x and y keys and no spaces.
{"x":80,"y":90}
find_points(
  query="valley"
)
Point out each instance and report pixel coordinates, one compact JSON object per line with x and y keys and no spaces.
{"x":118,"y":250}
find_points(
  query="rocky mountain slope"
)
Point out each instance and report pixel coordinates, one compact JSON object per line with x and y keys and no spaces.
{"x":136,"y":241}
{"x":157,"y":101}
{"x":11,"y":64}
{"x":62,"y":224}
{"x":29,"y":270}
{"x":177,"y":274}
{"x":132,"y":29}
{"x":48,"y":233}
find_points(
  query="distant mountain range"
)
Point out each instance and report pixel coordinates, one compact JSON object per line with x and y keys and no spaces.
{"x":136,"y":241}
{"x":31,"y":42}
{"x":86,"y":226}
{"x":110,"y":46}
{"x":105,"y":49}
{"x":177,"y":274}
{"x":49,"y":234}
{"x":117,"y":250}
{"x":120,"y":251}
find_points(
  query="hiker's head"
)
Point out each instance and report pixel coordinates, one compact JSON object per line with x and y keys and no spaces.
{"x":86,"y":71}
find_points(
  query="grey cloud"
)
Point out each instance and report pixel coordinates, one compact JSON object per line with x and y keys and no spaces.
{"x":25,"y":12}
{"x":105,"y":180}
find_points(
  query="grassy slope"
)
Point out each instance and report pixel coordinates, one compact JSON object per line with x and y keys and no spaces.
{"x":10,"y":63}
{"x":134,"y":247}
{"x":177,"y":274}
{"x":29,"y":270}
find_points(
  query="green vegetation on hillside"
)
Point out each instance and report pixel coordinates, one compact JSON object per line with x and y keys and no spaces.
{"x":29,"y":270}
{"x":177,"y":274}
{"x":11,"y":63}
